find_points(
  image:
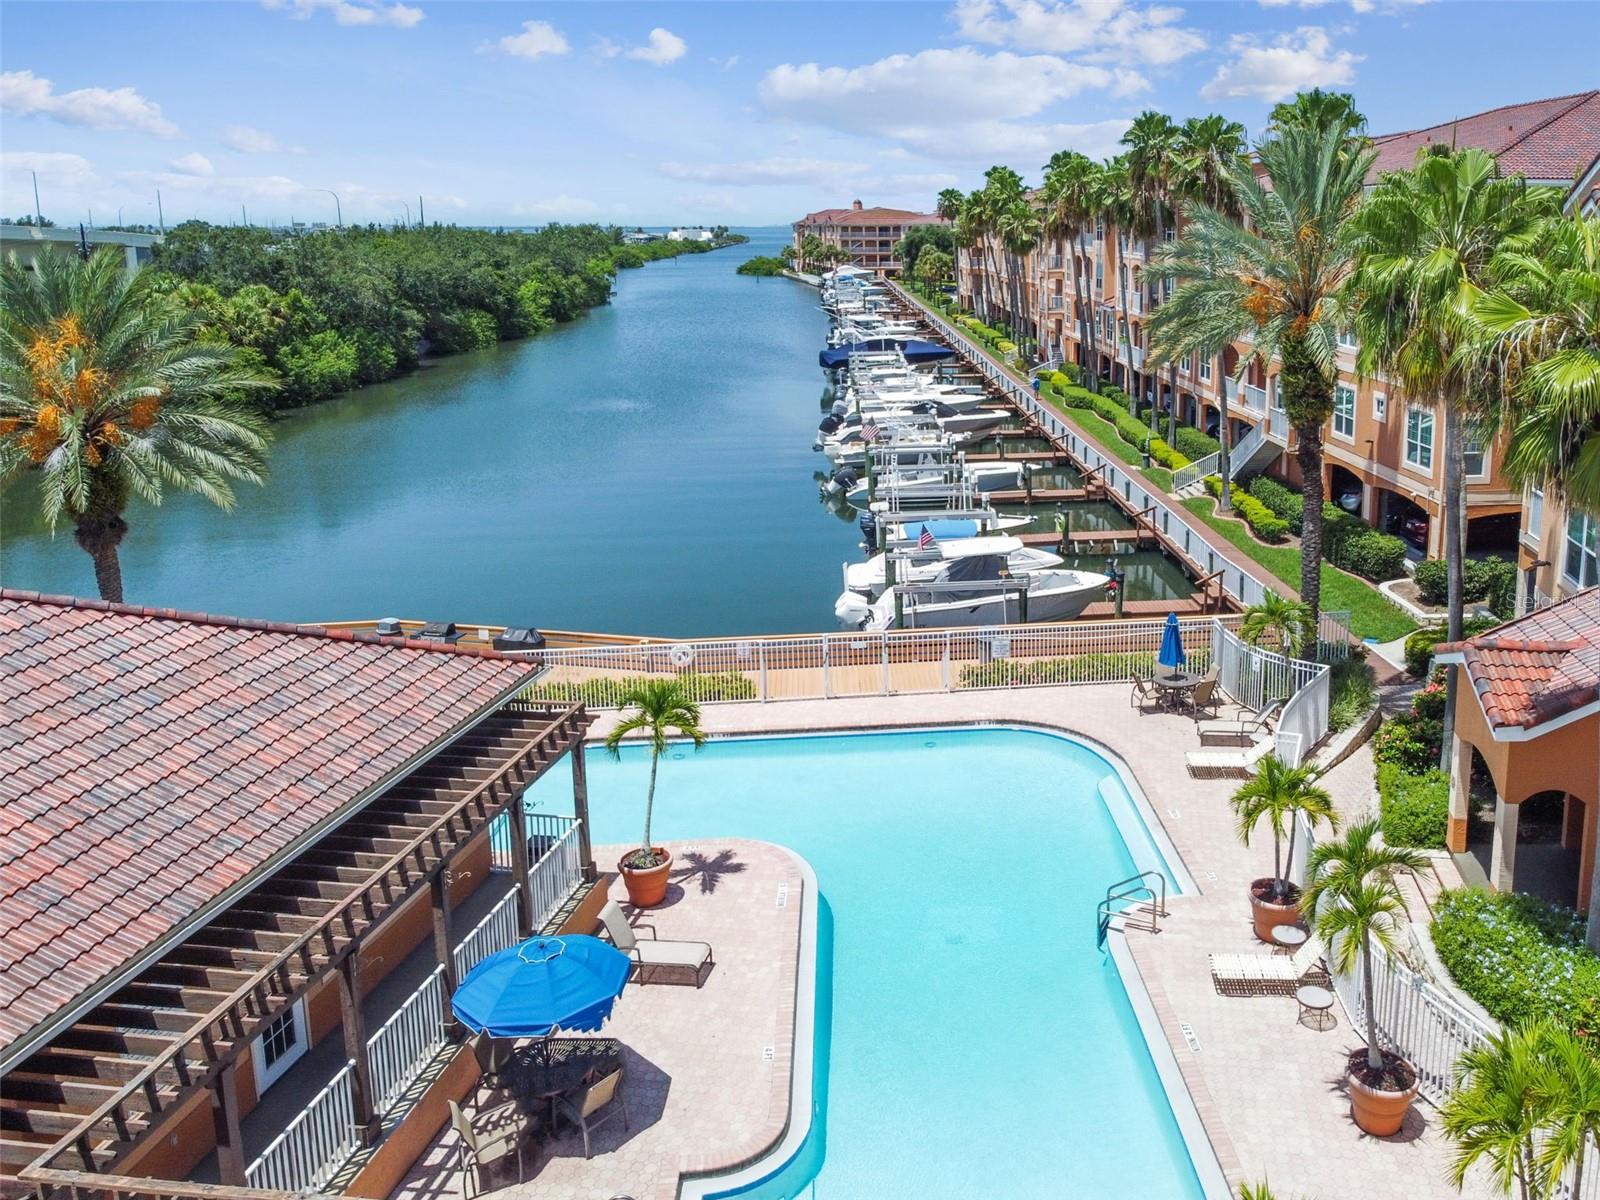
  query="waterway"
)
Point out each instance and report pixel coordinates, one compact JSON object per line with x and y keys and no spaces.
{"x":645,"y":469}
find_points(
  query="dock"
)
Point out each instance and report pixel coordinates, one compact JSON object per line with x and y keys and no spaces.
{"x":1022,"y":456}
{"x":1039,"y":495}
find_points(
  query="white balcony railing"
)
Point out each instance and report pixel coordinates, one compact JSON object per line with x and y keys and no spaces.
{"x":1134,"y":299}
{"x":1056,"y":303}
{"x":406,"y":1042}
{"x":1231,"y":388}
{"x":1255,"y":398}
{"x":1136,"y":357}
{"x":313,"y":1146}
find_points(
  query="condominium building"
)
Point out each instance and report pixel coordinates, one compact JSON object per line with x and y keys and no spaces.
{"x":870,"y":236}
{"x":1086,"y":301}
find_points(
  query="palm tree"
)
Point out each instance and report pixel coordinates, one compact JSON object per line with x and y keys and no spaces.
{"x":1071,"y":192}
{"x":1353,"y":898}
{"x":1426,"y":238}
{"x":107,"y":392}
{"x":1283,"y":621}
{"x":1495,"y":1111}
{"x":661,"y":708}
{"x":1017,"y":225}
{"x":1278,"y":793}
{"x":949,"y":203}
{"x":1544,"y":319}
{"x":1156,"y":173}
{"x":1281,"y":278}
{"x":1318,"y":110}
{"x":1121,"y":212}
{"x":1569,"y":1096}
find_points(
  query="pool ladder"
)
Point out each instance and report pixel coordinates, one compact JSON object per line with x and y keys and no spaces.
{"x":1132,"y":888}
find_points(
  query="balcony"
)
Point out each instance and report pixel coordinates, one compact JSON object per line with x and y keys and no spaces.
{"x":1136,"y":357}
{"x":1055,"y":262}
{"x":1135,"y":301}
{"x":1230,"y":388}
{"x":1255,"y":398}
{"x":1057,"y":303}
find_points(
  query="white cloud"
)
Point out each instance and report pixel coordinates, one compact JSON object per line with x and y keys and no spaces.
{"x":777,"y":169}
{"x":246,"y":139}
{"x":1095,"y":30}
{"x":55,"y":169}
{"x":1389,"y":7}
{"x":537,"y":39}
{"x":663,"y":47}
{"x":982,"y":99}
{"x":22,"y":93}
{"x":352,"y":12}
{"x":556,"y":208}
{"x":1275,"y":70}
{"x":192,"y":164}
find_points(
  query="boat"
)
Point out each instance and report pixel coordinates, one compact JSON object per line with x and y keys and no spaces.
{"x":913,"y":565}
{"x":929,"y":486}
{"x":980,"y":592}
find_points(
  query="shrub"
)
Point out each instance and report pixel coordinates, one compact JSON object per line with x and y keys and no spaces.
{"x":1214,"y":485}
{"x":1352,"y":692}
{"x":1005,"y":347}
{"x":1195,"y":444}
{"x":1432,"y":578}
{"x":1415,"y":809}
{"x":1410,"y":743}
{"x":1079,"y":668}
{"x":1259,"y":517}
{"x":1166,"y":455}
{"x":1419,"y":646}
{"x":1377,"y":556}
{"x":316,"y":367}
{"x":1519,"y":957}
{"x":608,"y":692}
{"x":1283,"y":502}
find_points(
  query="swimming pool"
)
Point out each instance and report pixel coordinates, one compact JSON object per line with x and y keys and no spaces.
{"x":971,"y":1039}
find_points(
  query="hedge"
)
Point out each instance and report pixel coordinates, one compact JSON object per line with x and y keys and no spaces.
{"x":1415,"y":809}
{"x":1079,"y":668}
{"x":1519,"y":957}
{"x":1291,"y":506}
{"x":1196,"y":444}
{"x":1419,"y":646}
{"x":1129,"y":428}
{"x":608,"y":692}
{"x":1492,"y":581}
{"x":1376,"y":556}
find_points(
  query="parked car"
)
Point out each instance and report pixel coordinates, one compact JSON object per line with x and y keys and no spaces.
{"x":1349,"y":500}
{"x":1411,"y":526}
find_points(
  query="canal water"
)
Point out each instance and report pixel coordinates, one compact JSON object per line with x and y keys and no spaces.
{"x":645,"y":469}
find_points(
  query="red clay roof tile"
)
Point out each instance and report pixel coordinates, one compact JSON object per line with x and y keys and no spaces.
{"x":150,"y":761}
{"x":1549,"y":139}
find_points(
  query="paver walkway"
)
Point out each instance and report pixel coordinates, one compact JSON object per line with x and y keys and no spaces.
{"x":1269,"y":1089}
{"x":706,"y":1071}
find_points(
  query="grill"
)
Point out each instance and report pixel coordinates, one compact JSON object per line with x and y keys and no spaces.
{"x":519,"y":639}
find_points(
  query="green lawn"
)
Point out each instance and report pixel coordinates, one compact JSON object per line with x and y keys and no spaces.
{"x":1371,"y":614}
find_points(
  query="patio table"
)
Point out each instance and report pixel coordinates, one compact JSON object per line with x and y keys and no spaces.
{"x":543,"y":1071}
{"x":1288,"y":938}
{"x":1317,"y":1000}
{"x":1175,"y":685}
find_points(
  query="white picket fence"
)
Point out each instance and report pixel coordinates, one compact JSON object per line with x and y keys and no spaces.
{"x":495,"y":932}
{"x":313,"y":1146}
{"x":1255,"y":677}
{"x":406,"y":1042}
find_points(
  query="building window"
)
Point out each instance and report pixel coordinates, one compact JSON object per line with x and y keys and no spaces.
{"x":1347,"y":340}
{"x":1169,"y":234}
{"x":280,"y":1045}
{"x":1344,"y":412}
{"x":1533,"y":523}
{"x":1380,"y":407}
{"x":1186,"y":364}
{"x":1582,"y":568}
{"x":1099,"y":229}
{"x":1419,"y":438}
{"x":1205,"y":367}
{"x":1475,"y":461}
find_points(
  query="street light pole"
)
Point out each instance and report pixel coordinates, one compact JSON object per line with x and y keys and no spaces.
{"x":338,"y":210}
{"x":408,"y":214}
{"x":38,"y":214}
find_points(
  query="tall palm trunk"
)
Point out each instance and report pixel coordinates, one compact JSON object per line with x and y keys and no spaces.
{"x":1225,"y":438}
{"x":1086,"y":324}
{"x":1125,"y":337}
{"x":1308,"y":453}
{"x":1374,"y":1054}
{"x":1454,"y":556}
{"x":650,"y":800}
{"x":99,"y":534}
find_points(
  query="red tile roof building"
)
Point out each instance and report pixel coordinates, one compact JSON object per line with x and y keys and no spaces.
{"x":151,"y":762}
{"x":869,"y":235}
{"x":1545,"y":140}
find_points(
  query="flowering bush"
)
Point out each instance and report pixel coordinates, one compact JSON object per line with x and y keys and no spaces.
{"x":1519,"y":957}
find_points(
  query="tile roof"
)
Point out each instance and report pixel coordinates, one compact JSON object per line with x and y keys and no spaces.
{"x":1550,"y":139}
{"x":1538,"y":667}
{"x":869,"y":216}
{"x":151,"y":760}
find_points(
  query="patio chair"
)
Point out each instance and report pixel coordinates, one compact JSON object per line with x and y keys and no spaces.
{"x":1204,"y":696}
{"x":489,"y":1138}
{"x":1144,"y":691}
{"x":588,"y":1108}
{"x":489,"y":1064}
{"x":1269,"y":974}
{"x":1237,"y":762}
{"x":1248,"y":725}
{"x":691,"y":956}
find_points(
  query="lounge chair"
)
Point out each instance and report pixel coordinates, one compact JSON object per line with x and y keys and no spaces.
{"x":651,"y":954}
{"x":582,"y":1108}
{"x":489,"y":1138}
{"x":1144,"y":691}
{"x":1248,"y":725}
{"x":1238,"y":762}
{"x":1269,"y":974}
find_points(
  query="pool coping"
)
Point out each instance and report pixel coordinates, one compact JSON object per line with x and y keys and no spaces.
{"x":1199,"y":1141}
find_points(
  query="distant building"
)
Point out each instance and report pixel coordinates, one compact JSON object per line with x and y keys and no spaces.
{"x":693,"y":233}
{"x":28,"y":242}
{"x":870,"y":236}
{"x":640,"y":237}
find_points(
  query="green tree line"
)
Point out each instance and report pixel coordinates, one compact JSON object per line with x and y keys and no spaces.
{"x":325,"y":312}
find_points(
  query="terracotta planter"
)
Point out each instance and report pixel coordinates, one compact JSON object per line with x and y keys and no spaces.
{"x":648,"y":887}
{"x":1378,"y":1111}
{"x":1266,"y":913}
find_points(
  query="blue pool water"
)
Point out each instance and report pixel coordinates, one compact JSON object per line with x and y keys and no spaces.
{"x":971,"y":1039}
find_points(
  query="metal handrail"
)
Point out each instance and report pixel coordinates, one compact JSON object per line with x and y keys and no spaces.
{"x":1128,"y":889}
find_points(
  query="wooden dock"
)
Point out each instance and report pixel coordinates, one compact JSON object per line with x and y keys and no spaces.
{"x":1023,"y":456}
{"x":1039,"y":495}
{"x":1090,"y":537}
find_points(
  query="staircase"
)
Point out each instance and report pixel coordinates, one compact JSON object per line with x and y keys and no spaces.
{"x":1255,"y":451}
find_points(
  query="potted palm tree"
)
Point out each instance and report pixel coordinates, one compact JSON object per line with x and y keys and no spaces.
{"x":1352,"y":893}
{"x":660,"y":707}
{"x":1279,"y":793}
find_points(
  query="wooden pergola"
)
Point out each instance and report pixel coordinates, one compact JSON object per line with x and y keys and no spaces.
{"x":77,"y":1109}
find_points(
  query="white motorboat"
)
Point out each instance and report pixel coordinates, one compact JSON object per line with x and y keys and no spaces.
{"x":914,"y":565}
{"x":979,"y":592}
{"x":937,"y":485}
{"x":951,"y":528}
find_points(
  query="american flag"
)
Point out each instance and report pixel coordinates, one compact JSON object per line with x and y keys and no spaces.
{"x":925,"y":539}
{"x":869,"y":432}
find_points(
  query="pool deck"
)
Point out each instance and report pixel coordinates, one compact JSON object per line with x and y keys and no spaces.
{"x":1268,"y":1090}
{"x":706,"y":1070}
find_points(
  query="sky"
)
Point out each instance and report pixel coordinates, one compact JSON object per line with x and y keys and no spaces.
{"x":662,"y":113}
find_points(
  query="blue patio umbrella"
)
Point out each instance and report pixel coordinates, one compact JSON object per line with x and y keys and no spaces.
{"x":545,"y":984}
{"x":1171,"y":645}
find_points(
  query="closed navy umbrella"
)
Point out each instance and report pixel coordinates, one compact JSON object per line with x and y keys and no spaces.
{"x":1171,"y":655}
